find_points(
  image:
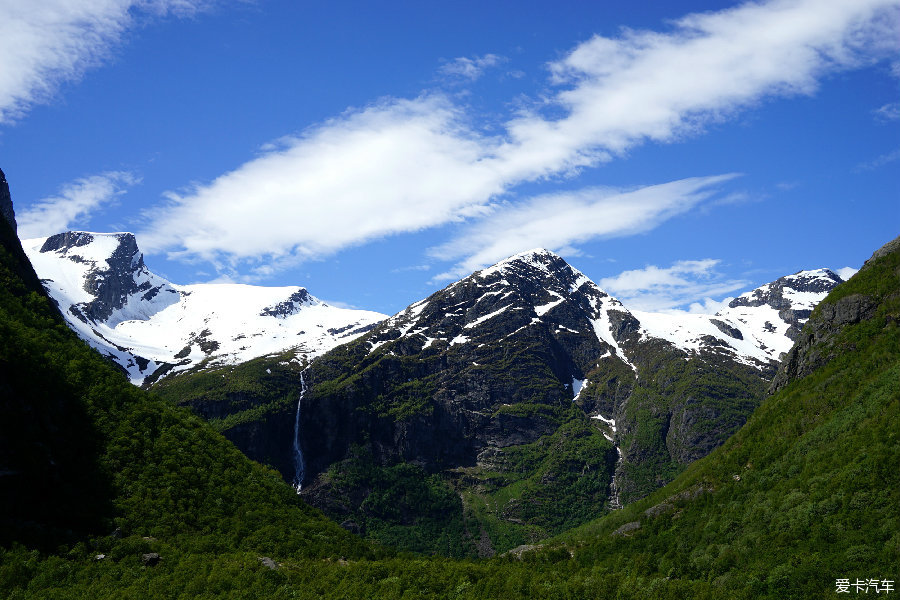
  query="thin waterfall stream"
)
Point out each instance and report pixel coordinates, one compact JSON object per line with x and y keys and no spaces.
{"x":615,"y":502}
{"x":299,"y":463}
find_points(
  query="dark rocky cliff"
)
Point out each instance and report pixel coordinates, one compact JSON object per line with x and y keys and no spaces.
{"x":6,"y":205}
{"x":813,"y":349}
{"x":114,"y":282}
{"x":491,"y":366}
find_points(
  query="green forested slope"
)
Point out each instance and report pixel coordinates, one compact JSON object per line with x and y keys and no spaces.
{"x":805,"y":493}
{"x":808,"y":491}
{"x":84,"y":454}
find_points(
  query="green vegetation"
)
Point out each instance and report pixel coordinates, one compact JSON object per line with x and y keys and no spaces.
{"x":806,"y":492}
{"x":233,"y":395}
{"x":84,"y":454}
{"x":529,"y":492}
{"x":532,"y":491}
{"x":399,"y":505}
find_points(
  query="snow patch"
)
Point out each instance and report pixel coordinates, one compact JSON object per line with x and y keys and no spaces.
{"x":603,"y":326}
{"x":543,"y":309}
{"x":481,"y":320}
{"x":460,"y":339}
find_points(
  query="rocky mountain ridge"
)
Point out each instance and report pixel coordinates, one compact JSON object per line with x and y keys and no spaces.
{"x":6,"y":205}
{"x":537,"y":296}
{"x":153,"y":328}
{"x":461,"y":386}
{"x":813,"y":349}
{"x":520,"y":355}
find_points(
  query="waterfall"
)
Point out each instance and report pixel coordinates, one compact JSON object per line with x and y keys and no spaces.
{"x":614,"y":502}
{"x":299,"y":463}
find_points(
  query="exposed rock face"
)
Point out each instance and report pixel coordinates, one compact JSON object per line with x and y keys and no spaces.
{"x":116,"y":279}
{"x":288,"y":307}
{"x":264,"y":438}
{"x":774,"y":294}
{"x":492,"y":361}
{"x":6,"y":205}
{"x":482,"y":355}
{"x":813,"y":349}
{"x":783,"y":295}
{"x":727,"y":329}
{"x":153,"y":328}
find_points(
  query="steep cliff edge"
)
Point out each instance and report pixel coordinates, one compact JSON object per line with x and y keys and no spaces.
{"x":813,"y":349}
{"x":806,"y":493}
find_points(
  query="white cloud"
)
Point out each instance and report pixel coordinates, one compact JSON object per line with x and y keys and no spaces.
{"x":556,"y":221}
{"x":399,"y":166}
{"x":686,"y":282}
{"x":44,"y":43}
{"x":888,"y":112}
{"x":649,"y":86}
{"x":74,"y":204}
{"x":406,"y":165}
{"x":471,"y":68}
{"x":708,"y":306}
{"x":878,"y":161}
{"x":846,"y":273}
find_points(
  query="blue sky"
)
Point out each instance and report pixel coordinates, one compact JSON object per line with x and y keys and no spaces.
{"x":676,"y":152}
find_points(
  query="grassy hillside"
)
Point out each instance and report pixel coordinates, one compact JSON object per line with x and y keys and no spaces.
{"x":808,"y":491}
{"x":91,"y":465}
{"x":805,"y":493}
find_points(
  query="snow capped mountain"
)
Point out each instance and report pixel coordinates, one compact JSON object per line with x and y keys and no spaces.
{"x":531,"y":289}
{"x":538,"y":286}
{"x":552,"y":318}
{"x":758,"y":327}
{"x":152,"y":327}
{"x":502,"y":357}
{"x":527,"y":349}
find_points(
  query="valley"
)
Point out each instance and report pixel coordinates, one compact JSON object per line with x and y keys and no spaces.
{"x":156,"y":499}
{"x":508,"y":407}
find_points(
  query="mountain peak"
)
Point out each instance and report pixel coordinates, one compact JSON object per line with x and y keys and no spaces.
{"x":812,"y":280}
{"x":802,"y":290}
{"x":152,"y":327}
{"x":63,"y":242}
{"x":536,"y":259}
{"x":534,"y":254}
{"x":529,"y":256}
{"x":6,"y":206}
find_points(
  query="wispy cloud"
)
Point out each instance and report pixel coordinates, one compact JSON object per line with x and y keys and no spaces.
{"x":411,"y":268}
{"x":878,"y":161}
{"x":400,"y":166}
{"x":650,"y":86}
{"x":556,"y":221}
{"x":888,"y":112}
{"x":686,"y":282}
{"x":44,"y":43}
{"x":73,"y":204}
{"x":405,"y":165}
{"x":470,"y":68}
